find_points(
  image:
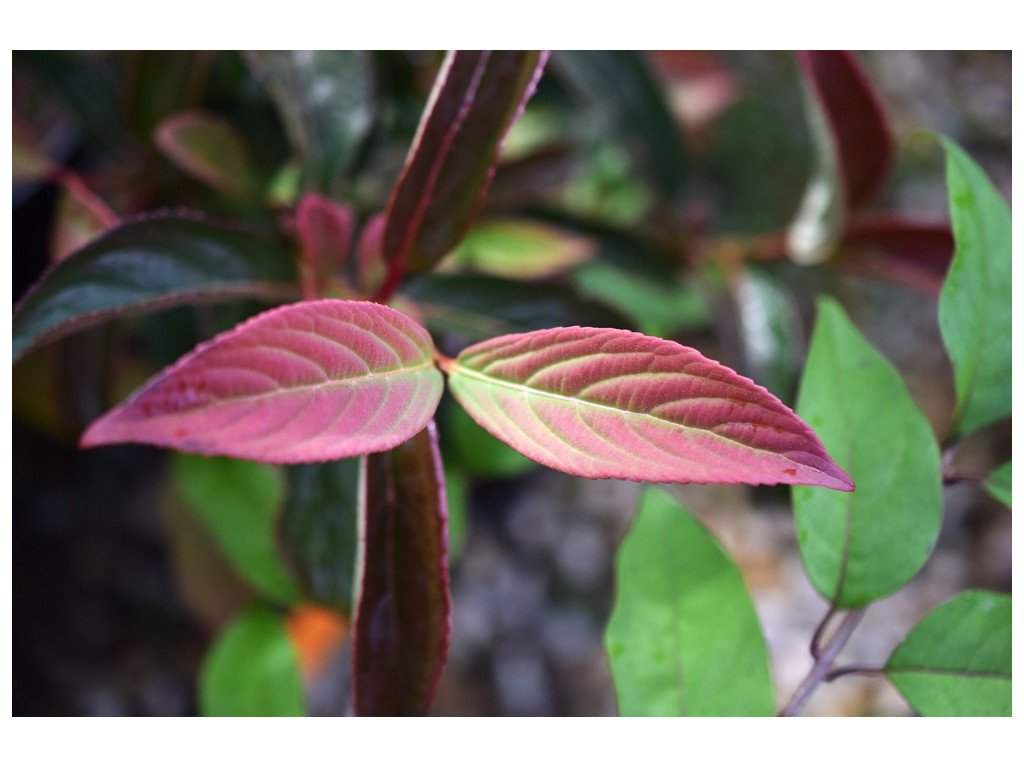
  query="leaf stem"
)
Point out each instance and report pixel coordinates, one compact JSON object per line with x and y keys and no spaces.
{"x":822,"y":665}
{"x":853,"y":669}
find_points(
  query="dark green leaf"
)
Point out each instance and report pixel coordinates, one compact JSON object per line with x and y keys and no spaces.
{"x":403,"y":615}
{"x":480,"y":307}
{"x":457,"y":486}
{"x":239,"y":501}
{"x":252,"y":670}
{"x":318,"y":529}
{"x":150,"y":264}
{"x":974,"y":306}
{"x":621,"y":86}
{"x":684,"y":638}
{"x":957,"y":661}
{"x":999,"y":483}
{"x":325,"y":99}
{"x":860,"y":546}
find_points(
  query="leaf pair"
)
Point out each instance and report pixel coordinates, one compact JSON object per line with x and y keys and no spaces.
{"x":329,"y":379}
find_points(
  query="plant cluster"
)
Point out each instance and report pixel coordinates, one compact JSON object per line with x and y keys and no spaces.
{"x":540,"y":273}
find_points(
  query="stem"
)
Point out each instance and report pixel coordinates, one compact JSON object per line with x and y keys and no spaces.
{"x":853,"y":669}
{"x":819,"y":632}
{"x":820,"y":670}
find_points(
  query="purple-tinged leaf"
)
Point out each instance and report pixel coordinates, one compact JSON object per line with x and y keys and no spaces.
{"x":152,"y":263}
{"x":915,"y":252}
{"x":325,"y":233}
{"x":861,"y":137}
{"x":208,"y":148}
{"x":598,"y":402}
{"x":854,"y":151}
{"x":529,"y":180}
{"x":477,"y":97}
{"x":403,"y":614}
{"x":313,"y":381}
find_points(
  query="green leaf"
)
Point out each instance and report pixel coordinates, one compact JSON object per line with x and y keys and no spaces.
{"x":239,"y":501}
{"x":252,"y":670}
{"x":210,"y":149}
{"x":999,"y":483}
{"x":457,"y":487}
{"x":523,"y":249}
{"x":325,"y":99}
{"x":477,"y":451}
{"x":149,"y":264}
{"x":956,"y":661}
{"x":655,"y":307}
{"x":622,"y":88}
{"x":860,"y":546}
{"x":683,"y":638}
{"x":318,"y":529}
{"x":974,"y":306}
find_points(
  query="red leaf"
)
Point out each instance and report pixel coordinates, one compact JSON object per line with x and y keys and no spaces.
{"x":598,"y":402}
{"x":860,"y":130}
{"x":915,"y":252}
{"x":403,"y":617}
{"x":313,"y":381}
{"x":325,"y":232}
{"x":477,"y":97}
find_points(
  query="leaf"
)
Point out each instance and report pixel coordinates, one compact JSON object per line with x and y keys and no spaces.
{"x":999,"y":483}
{"x":403,"y":618}
{"x":480,"y":307}
{"x":974,"y":306}
{"x":622,"y":86}
{"x":522,"y":249}
{"x":957,"y":661}
{"x":313,"y":381}
{"x":860,"y":134}
{"x":529,"y":180}
{"x":210,"y":149}
{"x":770,"y":330}
{"x":318,"y":529}
{"x":149,"y":264}
{"x":598,"y":402}
{"x":893,"y":247}
{"x":864,"y":545}
{"x":855,"y":151}
{"x":457,"y":491}
{"x":326,"y":102}
{"x":252,"y":670}
{"x":80,"y":218}
{"x":325,"y":233}
{"x":478,"y":95}
{"x":239,"y":502}
{"x":683,"y":638}
{"x":477,"y":451}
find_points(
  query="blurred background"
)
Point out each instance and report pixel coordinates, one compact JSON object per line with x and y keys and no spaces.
{"x":114,"y":611}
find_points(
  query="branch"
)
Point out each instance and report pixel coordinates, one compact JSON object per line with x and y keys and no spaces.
{"x":819,"y":672}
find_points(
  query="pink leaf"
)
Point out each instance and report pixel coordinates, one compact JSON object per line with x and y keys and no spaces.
{"x":403,"y":617}
{"x":325,"y":232}
{"x":313,"y":381}
{"x":861,"y":136}
{"x":599,"y":402}
{"x":477,"y":97}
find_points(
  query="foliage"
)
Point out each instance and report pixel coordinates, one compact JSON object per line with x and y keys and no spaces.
{"x":342,"y":290}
